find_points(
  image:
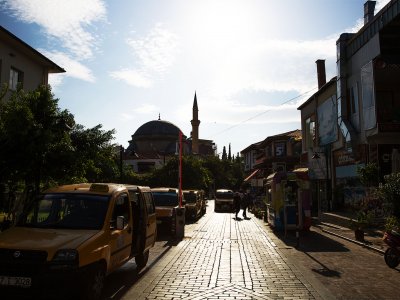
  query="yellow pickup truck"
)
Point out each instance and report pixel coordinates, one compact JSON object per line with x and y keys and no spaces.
{"x":75,"y":235}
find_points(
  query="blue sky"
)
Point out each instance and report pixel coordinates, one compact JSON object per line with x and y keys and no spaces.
{"x":126,"y":61}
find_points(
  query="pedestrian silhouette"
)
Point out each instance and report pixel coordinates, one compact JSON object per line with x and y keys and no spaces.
{"x":245,"y":204}
{"x":236,"y":204}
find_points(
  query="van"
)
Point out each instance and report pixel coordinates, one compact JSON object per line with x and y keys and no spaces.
{"x":73,"y":236}
{"x":166,"y":201}
{"x":224,"y":200}
{"x":193,"y":204}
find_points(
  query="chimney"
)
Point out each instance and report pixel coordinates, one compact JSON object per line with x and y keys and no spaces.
{"x":321,"y":72}
{"x":369,"y":8}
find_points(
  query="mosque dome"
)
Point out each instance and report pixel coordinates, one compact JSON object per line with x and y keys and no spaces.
{"x":157,"y":128}
{"x":153,"y":137}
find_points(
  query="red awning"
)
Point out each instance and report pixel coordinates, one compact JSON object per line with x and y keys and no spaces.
{"x":251,"y":176}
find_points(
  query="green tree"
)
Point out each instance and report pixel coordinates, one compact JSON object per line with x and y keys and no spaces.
{"x":42,"y":145}
{"x":229,"y":152}
{"x":93,"y":157}
{"x":390,"y":192}
{"x":224,"y":155}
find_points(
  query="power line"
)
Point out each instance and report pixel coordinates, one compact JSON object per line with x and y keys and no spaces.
{"x":264,"y":112}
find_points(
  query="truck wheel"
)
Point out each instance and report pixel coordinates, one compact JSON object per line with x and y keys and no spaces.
{"x":93,"y":284}
{"x":142,"y":259}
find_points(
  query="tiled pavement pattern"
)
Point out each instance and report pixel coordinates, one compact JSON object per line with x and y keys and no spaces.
{"x":221,"y":258}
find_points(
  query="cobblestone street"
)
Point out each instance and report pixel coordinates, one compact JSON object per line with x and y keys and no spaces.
{"x":222,"y":258}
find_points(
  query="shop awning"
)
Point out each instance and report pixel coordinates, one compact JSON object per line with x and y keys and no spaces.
{"x":251,"y":176}
{"x":302,"y":173}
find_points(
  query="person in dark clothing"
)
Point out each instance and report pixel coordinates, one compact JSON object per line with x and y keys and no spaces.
{"x":236,"y":204}
{"x":245,"y":204}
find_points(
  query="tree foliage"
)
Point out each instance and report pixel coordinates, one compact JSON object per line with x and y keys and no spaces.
{"x":41,"y":145}
{"x":369,"y":175}
{"x":390,"y":192}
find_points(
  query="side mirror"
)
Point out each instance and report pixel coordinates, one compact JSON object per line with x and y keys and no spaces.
{"x":120,"y":222}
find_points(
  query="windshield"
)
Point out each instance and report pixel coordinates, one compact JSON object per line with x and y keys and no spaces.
{"x":69,"y":211}
{"x":165,"y":199}
{"x":190,"y":197}
{"x":224,"y":195}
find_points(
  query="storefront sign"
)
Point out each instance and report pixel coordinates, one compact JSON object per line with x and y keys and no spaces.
{"x":343,"y":158}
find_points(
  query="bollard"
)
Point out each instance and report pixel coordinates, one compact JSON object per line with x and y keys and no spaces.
{"x":179,"y":223}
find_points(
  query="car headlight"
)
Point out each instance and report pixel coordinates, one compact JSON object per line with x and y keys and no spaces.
{"x":65,"y":258}
{"x":66,"y":255}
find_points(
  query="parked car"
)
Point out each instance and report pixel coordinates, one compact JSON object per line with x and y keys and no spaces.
{"x":194,"y":204}
{"x":166,"y":201}
{"x":73,"y":236}
{"x":224,"y":200}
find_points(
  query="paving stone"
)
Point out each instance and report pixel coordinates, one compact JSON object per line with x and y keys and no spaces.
{"x":225,"y":259}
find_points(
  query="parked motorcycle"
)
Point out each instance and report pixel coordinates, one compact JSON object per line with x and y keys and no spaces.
{"x":392,"y":254}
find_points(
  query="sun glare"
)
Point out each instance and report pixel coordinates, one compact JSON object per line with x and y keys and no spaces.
{"x":222,"y":22}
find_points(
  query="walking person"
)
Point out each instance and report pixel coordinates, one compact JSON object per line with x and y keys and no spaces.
{"x":236,"y":204}
{"x":245,"y":204}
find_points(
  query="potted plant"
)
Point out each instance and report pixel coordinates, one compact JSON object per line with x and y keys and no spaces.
{"x":364,"y":219}
{"x":392,"y":223}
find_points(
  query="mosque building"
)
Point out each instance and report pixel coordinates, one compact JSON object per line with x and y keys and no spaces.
{"x":156,"y":141}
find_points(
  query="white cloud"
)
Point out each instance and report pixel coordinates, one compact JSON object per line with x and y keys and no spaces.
{"x":126,"y":117}
{"x":145,"y":109}
{"x":72,"y":67}
{"x":64,"y":20}
{"x":132,"y":77}
{"x":155,"y":54}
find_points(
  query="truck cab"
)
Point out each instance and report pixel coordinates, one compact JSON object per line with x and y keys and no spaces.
{"x":74,"y":236}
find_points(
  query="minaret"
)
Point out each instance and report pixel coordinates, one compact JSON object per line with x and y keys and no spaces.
{"x":195,"y":127}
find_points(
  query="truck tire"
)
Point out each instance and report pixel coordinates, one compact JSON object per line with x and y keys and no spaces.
{"x":142,"y":259}
{"x":94,"y":282}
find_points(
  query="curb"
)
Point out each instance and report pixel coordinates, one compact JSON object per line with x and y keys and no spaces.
{"x":350,"y":240}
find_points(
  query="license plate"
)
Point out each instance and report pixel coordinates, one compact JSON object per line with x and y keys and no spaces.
{"x":16,"y":281}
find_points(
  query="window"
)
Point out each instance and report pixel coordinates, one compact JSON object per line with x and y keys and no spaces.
{"x":368,"y":96}
{"x":121,"y":207}
{"x":149,"y":203}
{"x":16,"y":77}
{"x":354,"y":107}
{"x":310,"y":132}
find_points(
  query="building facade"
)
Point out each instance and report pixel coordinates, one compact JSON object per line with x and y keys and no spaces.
{"x":21,"y":65}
